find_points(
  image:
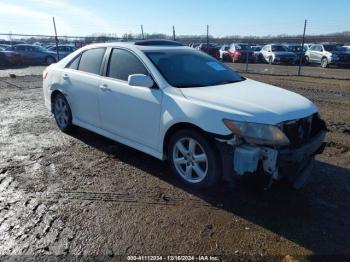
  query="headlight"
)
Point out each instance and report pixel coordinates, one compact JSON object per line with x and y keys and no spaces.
{"x":258,"y":133}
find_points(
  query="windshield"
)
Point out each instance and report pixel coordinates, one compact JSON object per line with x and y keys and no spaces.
{"x":332,"y":48}
{"x":296,"y":48}
{"x":278,"y":48}
{"x":40,"y":49}
{"x":256,"y":48}
{"x":243,"y":47}
{"x":190,"y":68}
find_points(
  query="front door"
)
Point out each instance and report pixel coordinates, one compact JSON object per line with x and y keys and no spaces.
{"x":128,"y":111}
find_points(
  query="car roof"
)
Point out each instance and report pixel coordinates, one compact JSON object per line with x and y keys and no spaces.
{"x":135,"y":45}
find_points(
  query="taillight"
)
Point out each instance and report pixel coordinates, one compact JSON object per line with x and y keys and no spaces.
{"x":237,"y":53}
{"x":45,"y":74}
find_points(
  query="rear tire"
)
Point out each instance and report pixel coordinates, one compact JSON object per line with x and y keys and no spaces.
{"x":194,"y":159}
{"x":62,"y":113}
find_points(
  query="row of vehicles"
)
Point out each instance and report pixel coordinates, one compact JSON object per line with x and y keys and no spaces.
{"x":325,"y":54}
{"x":33,"y":54}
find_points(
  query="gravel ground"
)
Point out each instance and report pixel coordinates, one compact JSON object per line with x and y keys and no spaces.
{"x":22,"y":70}
{"x":84,"y":195}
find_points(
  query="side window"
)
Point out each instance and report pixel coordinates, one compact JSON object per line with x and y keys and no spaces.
{"x":74,"y":63}
{"x":91,"y":60}
{"x":123,"y":63}
{"x":320,"y":48}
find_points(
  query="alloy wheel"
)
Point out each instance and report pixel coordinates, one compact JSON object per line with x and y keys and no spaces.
{"x":61,"y":112}
{"x":190,"y":160}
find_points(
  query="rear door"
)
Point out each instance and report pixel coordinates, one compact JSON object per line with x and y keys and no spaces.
{"x":81,"y":82}
{"x":131,"y":112}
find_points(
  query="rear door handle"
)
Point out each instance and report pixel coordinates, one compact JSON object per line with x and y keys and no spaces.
{"x":104,"y":87}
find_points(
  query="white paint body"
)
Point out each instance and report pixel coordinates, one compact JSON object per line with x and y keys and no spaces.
{"x":140,"y":117}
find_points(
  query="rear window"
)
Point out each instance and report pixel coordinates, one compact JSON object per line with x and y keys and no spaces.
{"x":278,"y":48}
{"x":243,"y":47}
{"x":91,"y":60}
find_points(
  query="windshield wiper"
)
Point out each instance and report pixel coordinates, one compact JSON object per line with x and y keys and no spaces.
{"x":228,"y":82}
{"x":184,"y":86}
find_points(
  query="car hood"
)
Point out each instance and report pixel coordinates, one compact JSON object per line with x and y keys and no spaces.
{"x":253,"y":101}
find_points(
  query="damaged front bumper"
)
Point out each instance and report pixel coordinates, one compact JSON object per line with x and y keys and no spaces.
{"x":294,"y":164}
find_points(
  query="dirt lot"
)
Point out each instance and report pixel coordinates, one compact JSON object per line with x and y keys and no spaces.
{"x":292,"y":70}
{"x":84,"y":195}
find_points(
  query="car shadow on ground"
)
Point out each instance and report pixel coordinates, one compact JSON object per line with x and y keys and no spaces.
{"x":317,"y":218}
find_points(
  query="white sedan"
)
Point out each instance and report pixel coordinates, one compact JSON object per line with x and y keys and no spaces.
{"x":179,"y":104}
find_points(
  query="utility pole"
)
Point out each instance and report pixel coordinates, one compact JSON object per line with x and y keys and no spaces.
{"x":174,"y":33}
{"x":207,"y":36}
{"x":302,"y":49}
{"x":56,"y":39}
{"x":143,"y":36}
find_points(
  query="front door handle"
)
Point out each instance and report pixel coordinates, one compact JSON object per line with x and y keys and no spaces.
{"x":104,"y":87}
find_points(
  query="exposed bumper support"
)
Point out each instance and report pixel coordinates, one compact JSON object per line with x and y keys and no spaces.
{"x":295,"y":164}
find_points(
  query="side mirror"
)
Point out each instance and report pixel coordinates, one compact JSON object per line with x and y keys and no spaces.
{"x":140,"y":80}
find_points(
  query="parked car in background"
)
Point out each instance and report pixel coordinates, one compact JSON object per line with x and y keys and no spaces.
{"x":277,"y":54}
{"x":33,"y":54}
{"x":296,"y":49}
{"x":194,"y":45}
{"x":224,"y":52}
{"x":308,"y":45}
{"x":4,"y":46}
{"x":63,"y":50}
{"x":239,"y":52}
{"x":328,"y":54}
{"x":257,"y":52}
{"x":210,"y":49}
{"x":9,"y":57}
{"x":2,"y":57}
{"x":181,"y":105}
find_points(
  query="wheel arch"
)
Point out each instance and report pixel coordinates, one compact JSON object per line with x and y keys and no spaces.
{"x":53,"y":95}
{"x":186,"y":125}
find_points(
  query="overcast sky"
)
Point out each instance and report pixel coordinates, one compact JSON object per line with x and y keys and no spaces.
{"x":225,"y":17}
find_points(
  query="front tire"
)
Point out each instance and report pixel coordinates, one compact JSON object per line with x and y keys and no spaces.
{"x":307,"y":60}
{"x":62,"y":113}
{"x":324,"y":62}
{"x":50,"y":60}
{"x":270,"y":60}
{"x":194,"y":159}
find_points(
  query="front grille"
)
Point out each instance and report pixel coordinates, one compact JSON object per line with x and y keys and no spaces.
{"x":300,"y":131}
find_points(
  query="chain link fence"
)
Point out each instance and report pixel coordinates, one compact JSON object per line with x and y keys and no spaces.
{"x":259,"y":65}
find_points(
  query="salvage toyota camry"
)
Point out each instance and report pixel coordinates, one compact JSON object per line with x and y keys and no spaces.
{"x":179,"y":104}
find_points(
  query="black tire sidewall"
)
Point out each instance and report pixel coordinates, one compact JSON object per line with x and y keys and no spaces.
{"x":214,"y":166}
{"x":69,"y":126}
